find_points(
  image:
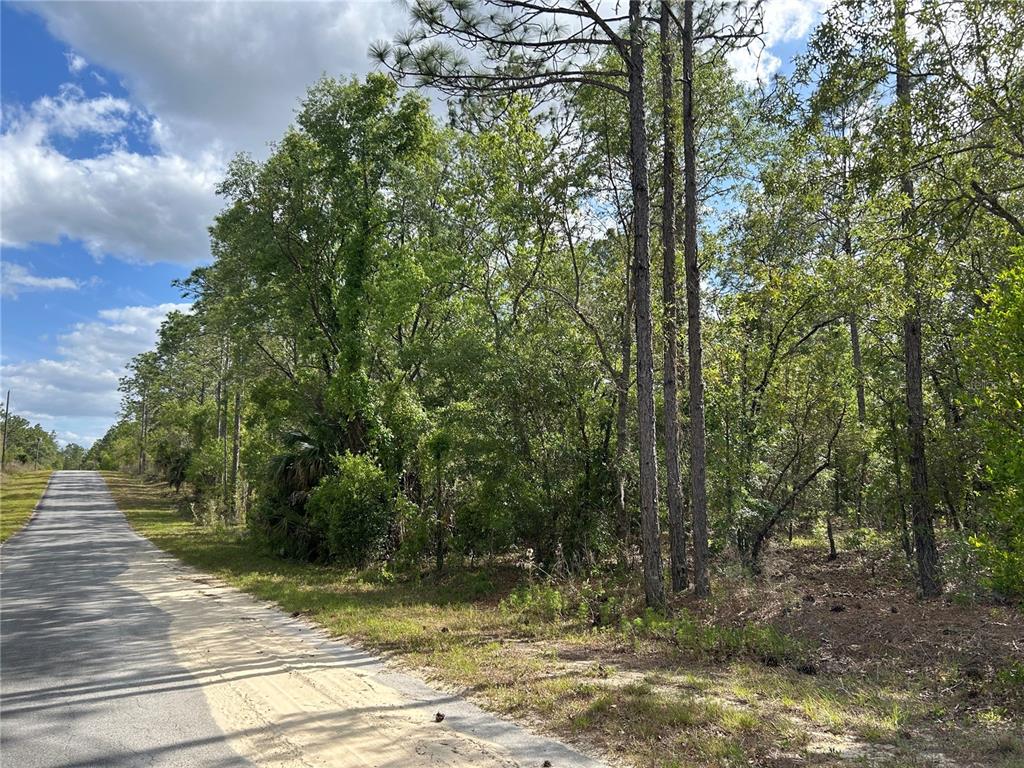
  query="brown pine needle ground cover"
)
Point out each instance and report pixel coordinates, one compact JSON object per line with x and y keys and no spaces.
{"x":19,"y":494}
{"x":814,"y":664}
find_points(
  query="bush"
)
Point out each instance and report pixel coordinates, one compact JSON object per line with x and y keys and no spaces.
{"x":588,"y":602}
{"x":353,"y":510}
{"x":596,"y":606}
{"x":1003,"y":560}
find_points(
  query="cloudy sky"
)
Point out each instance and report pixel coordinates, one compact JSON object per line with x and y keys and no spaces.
{"x":118,"y":119}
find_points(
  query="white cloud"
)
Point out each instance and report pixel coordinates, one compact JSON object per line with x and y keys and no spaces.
{"x":77,"y":388}
{"x":225,"y":75}
{"x":117,"y":334}
{"x":785,"y":21}
{"x":71,"y":114}
{"x":75,"y":62}
{"x":137,"y":207}
{"x":206,"y":80}
{"x":16,"y":279}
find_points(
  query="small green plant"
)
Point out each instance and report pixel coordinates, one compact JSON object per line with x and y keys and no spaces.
{"x":537,"y":602}
{"x":759,"y":642}
{"x":1012,"y":676}
{"x":596,"y":606}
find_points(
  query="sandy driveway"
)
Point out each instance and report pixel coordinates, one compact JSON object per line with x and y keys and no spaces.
{"x":114,"y":653}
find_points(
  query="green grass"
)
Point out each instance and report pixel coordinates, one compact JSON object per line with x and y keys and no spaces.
{"x":19,"y":494}
{"x":649,"y":691}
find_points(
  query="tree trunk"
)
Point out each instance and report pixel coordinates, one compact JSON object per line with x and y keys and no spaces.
{"x":836,"y":505}
{"x":698,"y":458}
{"x":676,"y":523}
{"x":224,"y":453}
{"x":654,"y":589}
{"x":143,"y":428}
{"x":439,"y":517}
{"x":908,"y":550}
{"x":920,"y":503}
{"x":858,"y":368}
{"x":622,"y":425}
{"x":236,"y":450}
{"x":7,"y":421}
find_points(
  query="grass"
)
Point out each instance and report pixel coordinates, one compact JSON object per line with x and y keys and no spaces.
{"x":19,"y":494}
{"x":642,"y":689}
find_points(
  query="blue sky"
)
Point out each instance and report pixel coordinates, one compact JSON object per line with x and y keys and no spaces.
{"x":118,"y":119}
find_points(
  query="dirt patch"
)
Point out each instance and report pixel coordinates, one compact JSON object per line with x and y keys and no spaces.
{"x":863,"y":615}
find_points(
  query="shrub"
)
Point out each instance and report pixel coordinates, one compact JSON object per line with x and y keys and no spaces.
{"x":596,"y":606}
{"x":353,"y":510}
{"x":708,"y":641}
{"x":588,"y":602}
{"x":1003,"y":561}
{"x":995,"y":362}
{"x":538,"y":602}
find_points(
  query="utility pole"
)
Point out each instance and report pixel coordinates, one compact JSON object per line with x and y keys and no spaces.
{"x":7,"y":420}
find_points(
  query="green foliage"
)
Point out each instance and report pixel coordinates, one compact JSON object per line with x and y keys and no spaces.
{"x":588,"y":602}
{"x":353,"y":510}
{"x":713,"y":642}
{"x":1012,"y":676}
{"x":117,"y":450}
{"x":29,"y":444}
{"x":536,"y":602}
{"x":415,"y":539}
{"x":72,"y":456}
{"x":204,"y":469}
{"x":997,"y":354}
{"x":451,"y":308}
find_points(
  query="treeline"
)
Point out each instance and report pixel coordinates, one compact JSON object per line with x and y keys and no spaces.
{"x":29,"y":446}
{"x":615,"y":293}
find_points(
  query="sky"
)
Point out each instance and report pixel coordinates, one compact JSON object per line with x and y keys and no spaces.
{"x":118,"y":120}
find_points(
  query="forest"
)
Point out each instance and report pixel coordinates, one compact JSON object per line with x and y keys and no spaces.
{"x":29,"y":446}
{"x":553,"y":287}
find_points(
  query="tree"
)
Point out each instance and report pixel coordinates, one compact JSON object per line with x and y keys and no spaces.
{"x":670,"y":364}
{"x":544,"y":55}
{"x":28,"y":443}
{"x":920,"y":503}
{"x":72,"y":456}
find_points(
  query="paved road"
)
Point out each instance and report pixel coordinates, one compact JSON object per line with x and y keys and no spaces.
{"x":88,"y":675}
{"x":113,"y":653}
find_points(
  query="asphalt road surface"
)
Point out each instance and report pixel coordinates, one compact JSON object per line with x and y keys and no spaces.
{"x":88,"y":675}
{"x":113,"y":653}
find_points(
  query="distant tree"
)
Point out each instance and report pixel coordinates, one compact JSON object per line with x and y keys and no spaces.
{"x":29,"y":444}
{"x":72,"y":456}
